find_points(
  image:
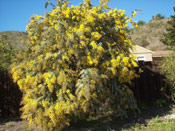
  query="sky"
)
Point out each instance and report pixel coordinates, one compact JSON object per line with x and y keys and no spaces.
{"x":15,"y":14}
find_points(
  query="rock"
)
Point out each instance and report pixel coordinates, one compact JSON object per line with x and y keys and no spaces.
{"x":172,"y":116}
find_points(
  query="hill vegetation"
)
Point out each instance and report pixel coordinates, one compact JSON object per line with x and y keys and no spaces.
{"x":16,"y":39}
{"x":169,"y":38}
{"x":149,"y":34}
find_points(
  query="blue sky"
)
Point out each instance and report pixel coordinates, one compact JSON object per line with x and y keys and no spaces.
{"x":15,"y":14}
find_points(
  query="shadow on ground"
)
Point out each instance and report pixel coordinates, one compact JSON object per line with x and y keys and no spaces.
{"x":5,"y":120}
{"x":114,"y":123}
{"x":110,"y":123}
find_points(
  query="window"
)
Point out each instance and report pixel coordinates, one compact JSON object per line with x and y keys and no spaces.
{"x":141,"y":58}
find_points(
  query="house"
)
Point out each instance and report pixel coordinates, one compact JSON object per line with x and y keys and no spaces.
{"x":142,"y":54}
{"x":147,"y":55}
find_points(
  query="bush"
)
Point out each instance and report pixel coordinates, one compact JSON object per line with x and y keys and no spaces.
{"x":144,"y":43}
{"x":78,"y":64}
{"x":168,"y":68}
{"x":158,"y":17}
{"x":141,"y":22}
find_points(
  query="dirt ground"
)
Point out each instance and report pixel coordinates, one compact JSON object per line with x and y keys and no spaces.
{"x":16,"y":124}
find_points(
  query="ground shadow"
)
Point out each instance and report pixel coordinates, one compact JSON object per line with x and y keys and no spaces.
{"x":115,"y":123}
{"x":10,"y":119}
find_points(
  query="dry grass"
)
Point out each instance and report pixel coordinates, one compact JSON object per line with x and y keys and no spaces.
{"x":15,"y":38}
{"x":149,"y":35}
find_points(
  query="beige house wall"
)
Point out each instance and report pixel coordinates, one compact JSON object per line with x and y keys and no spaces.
{"x":147,"y":56}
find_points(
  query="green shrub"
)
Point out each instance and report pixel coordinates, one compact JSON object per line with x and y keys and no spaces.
{"x":158,"y":17}
{"x":153,"y":48}
{"x":168,"y":69}
{"x":141,"y":23}
{"x":7,"y":53}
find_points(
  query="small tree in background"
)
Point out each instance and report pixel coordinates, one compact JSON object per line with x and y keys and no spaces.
{"x":158,"y":17}
{"x":141,"y":22}
{"x":78,"y":63}
{"x":169,"y":39}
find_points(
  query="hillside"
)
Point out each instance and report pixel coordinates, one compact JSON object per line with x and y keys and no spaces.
{"x":15,"y":38}
{"x":149,"y":34}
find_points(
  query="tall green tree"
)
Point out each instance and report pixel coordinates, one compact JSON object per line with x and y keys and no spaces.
{"x":7,"y":53}
{"x":169,"y":38}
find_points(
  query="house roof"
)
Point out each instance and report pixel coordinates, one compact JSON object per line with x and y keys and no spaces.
{"x":140,"y":50}
{"x":162,"y":53}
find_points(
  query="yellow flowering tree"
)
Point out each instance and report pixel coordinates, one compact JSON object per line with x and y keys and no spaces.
{"x":77,"y":63}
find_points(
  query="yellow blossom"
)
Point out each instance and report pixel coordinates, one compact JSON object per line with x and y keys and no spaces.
{"x":93,"y":44}
{"x":90,"y":18}
{"x":96,"y":35}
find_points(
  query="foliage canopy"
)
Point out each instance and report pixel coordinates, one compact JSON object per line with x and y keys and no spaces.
{"x":78,"y":63}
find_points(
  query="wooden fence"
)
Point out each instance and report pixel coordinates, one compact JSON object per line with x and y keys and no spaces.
{"x":10,"y":96}
{"x":147,"y":88}
{"x":151,"y":85}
